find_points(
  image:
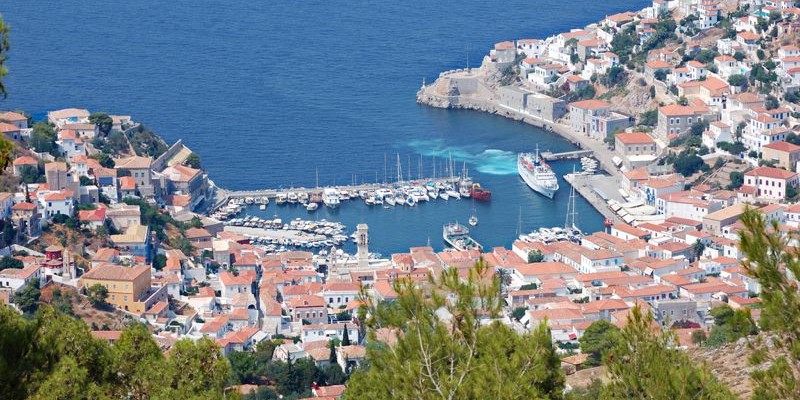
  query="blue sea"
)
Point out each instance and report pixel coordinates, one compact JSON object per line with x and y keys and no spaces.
{"x":267,"y":93}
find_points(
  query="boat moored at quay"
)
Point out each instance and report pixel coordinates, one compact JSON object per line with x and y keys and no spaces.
{"x":537,"y":174}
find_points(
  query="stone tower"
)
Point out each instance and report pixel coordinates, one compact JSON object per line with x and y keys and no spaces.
{"x":362,"y":243}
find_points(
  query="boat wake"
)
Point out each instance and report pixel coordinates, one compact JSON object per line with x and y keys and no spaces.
{"x":489,"y":161}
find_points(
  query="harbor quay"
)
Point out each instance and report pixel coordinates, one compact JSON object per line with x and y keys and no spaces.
{"x":485,"y":100}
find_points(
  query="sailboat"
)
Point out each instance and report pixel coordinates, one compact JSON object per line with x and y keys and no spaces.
{"x":473,"y":219}
{"x":569,"y":223}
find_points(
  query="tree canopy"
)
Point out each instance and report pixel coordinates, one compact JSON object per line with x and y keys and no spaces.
{"x":444,"y":350}
{"x":774,"y":263}
{"x":54,"y":356}
{"x":645,"y":365}
{"x":598,"y":338}
{"x":103,"y":121}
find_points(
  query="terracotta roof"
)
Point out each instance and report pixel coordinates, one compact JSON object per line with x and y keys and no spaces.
{"x":590,"y":104}
{"x":111,"y":272}
{"x":635,"y":138}
{"x":25,"y":160}
{"x":6,"y":127}
{"x":11,"y":116}
{"x":306,"y":301}
{"x":771,"y":172}
{"x":98,"y":214}
{"x":679,"y":110}
{"x":783,"y":146}
{"x":24,"y":206}
{"x":658,"y":64}
{"x":127,"y":183}
{"x":134,"y":162}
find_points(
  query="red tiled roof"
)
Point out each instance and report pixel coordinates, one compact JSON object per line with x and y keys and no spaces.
{"x":634,"y":138}
{"x":771,"y":172}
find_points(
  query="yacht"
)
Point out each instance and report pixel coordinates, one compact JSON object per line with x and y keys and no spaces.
{"x":330,"y":197}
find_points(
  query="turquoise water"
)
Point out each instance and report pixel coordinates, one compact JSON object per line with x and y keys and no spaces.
{"x":269,"y":92}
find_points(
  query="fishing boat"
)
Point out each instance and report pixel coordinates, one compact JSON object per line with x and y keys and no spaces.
{"x":479,"y":193}
{"x":537,"y":174}
{"x":457,"y":236}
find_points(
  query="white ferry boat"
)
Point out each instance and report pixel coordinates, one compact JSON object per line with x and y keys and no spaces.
{"x":537,"y":174}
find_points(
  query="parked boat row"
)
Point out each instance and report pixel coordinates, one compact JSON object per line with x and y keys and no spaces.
{"x":296,"y":233}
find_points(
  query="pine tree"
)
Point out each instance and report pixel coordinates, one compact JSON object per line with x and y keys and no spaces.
{"x":446,"y":352}
{"x":776,"y":265}
{"x":645,"y":365}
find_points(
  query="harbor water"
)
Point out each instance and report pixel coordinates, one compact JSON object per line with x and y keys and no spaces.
{"x":269,"y":93}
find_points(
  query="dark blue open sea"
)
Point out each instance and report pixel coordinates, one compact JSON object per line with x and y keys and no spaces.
{"x":268,"y":91}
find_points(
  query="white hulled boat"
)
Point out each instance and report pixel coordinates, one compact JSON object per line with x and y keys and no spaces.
{"x":537,"y":174}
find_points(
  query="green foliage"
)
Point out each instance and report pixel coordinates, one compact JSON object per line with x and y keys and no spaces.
{"x":461,"y":358}
{"x":688,"y":162}
{"x":97,"y":294}
{"x":770,"y":259}
{"x":528,"y":286}
{"x":103,"y":121}
{"x":730,"y":326}
{"x":599,"y":338}
{"x":615,"y":76}
{"x":535,"y":256}
{"x":645,"y":365}
{"x":771,"y":103}
{"x":27,"y":299}
{"x":698,"y":127}
{"x":706,"y":56}
{"x":660,"y":75}
{"x":114,"y":143}
{"x":86,"y":181}
{"x":193,"y":160}
{"x":196,"y":222}
{"x":585,"y":93}
{"x":733,"y":148}
{"x":5,"y":45}
{"x":738,"y":80}
{"x":518,"y":313}
{"x":622,"y":44}
{"x":104,"y":159}
{"x":43,"y":138}
{"x":159,"y":261}
{"x":146,"y":143}
{"x":737,"y":180}
{"x":6,"y":152}
{"x":699,"y":337}
{"x":10,"y":262}
{"x":649,"y":118}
